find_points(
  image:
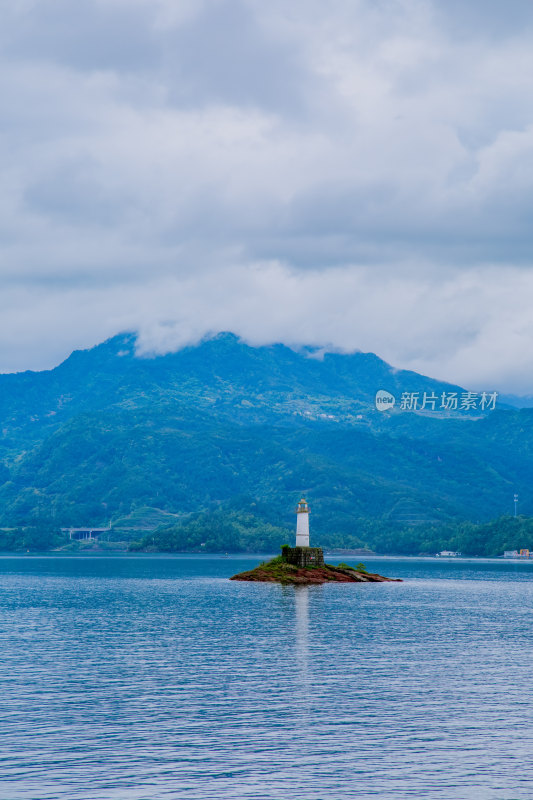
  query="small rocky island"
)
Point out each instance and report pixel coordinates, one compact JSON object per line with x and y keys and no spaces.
{"x":305,"y":565}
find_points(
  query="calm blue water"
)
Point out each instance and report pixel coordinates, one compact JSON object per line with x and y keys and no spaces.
{"x":134,"y":678}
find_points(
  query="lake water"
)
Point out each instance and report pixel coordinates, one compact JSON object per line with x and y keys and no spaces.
{"x":140,"y":678}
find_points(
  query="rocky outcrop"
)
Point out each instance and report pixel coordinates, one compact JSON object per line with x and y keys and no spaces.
{"x":279,"y":571}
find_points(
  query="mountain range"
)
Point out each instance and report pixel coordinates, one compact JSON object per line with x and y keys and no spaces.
{"x":109,"y":437}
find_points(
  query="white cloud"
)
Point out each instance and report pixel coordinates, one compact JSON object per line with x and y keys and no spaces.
{"x":475,"y":324}
{"x":356,"y":173}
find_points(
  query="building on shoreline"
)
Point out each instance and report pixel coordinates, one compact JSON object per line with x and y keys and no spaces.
{"x":517,"y":554}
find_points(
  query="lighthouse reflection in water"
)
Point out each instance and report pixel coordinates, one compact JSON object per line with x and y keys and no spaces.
{"x":301,"y":606}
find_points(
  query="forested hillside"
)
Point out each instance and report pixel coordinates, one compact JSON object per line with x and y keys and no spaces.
{"x":108,"y":433}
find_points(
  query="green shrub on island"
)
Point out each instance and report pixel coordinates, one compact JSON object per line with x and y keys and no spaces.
{"x":358,"y":567}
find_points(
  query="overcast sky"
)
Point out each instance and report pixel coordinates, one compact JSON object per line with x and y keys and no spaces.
{"x":356,"y":174}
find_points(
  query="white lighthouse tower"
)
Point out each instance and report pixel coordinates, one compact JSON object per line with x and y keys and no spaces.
{"x":302,"y":524}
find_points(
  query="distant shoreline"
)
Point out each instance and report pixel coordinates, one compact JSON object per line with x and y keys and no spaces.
{"x":98,"y":554}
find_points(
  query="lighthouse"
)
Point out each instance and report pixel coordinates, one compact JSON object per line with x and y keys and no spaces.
{"x":302,"y":524}
{"x":301,"y":555}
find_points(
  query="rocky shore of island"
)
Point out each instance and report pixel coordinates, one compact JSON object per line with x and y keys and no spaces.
{"x":278,"y":570}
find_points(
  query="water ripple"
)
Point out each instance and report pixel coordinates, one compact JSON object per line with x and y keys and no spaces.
{"x":151,"y":679}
